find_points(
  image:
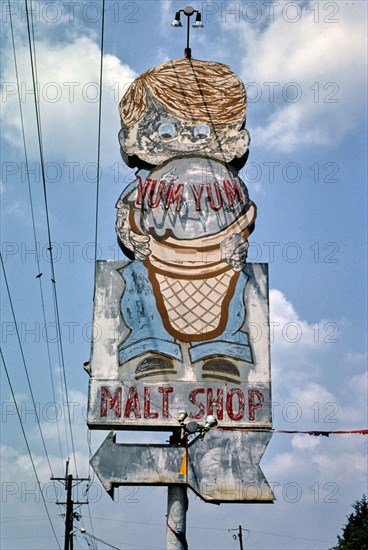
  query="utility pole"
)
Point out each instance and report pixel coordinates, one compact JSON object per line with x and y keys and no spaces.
{"x":68,"y":480}
{"x":68,"y":541}
{"x":240,"y":535}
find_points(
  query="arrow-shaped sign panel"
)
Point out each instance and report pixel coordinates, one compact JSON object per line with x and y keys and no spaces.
{"x":223,"y":467}
{"x":142,"y":464}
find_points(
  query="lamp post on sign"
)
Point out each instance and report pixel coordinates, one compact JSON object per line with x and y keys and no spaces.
{"x":188,"y":11}
{"x":175,"y":352}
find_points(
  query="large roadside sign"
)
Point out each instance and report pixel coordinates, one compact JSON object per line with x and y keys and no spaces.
{"x":129,"y":395}
{"x":182,"y":326}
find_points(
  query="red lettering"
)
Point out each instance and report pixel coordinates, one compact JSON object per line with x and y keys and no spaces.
{"x":147,"y":404}
{"x":253,"y":403}
{"x":165,"y":399}
{"x":192,"y":399}
{"x":110,"y":402}
{"x":142,"y":190}
{"x":154,"y":203}
{"x":213,"y":206}
{"x":174,"y":195}
{"x":218,"y":403}
{"x":197,"y":196}
{"x":233,"y":192}
{"x":239,"y":415}
{"x":132,"y":404}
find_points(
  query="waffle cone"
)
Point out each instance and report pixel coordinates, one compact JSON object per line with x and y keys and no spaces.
{"x":193,"y":309}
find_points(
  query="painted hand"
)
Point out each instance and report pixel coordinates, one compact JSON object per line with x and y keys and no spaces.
{"x":234,"y":251}
{"x":137,"y":244}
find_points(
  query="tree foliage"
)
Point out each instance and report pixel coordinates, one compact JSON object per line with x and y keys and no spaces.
{"x":355,"y":532}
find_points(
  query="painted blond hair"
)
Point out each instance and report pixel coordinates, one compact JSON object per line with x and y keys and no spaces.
{"x":190,"y":89}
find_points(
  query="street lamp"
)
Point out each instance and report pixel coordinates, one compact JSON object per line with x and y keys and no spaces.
{"x":188,"y":11}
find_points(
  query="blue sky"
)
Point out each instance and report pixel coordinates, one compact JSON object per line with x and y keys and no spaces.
{"x":304,"y":66}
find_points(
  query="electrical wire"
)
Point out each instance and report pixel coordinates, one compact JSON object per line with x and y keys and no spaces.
{"x":24,"y":363}
{"x":59,"y":348}
{"x":99,"y":132}
{"x":203,"y":528}
{"x":62,"y":372}
{"x":27,"y":445}
{"x":100,"y":540}
{"x":32,"y":52}
{"x":325,"y":433}
{"x":90,"y":483}
{"x":39,"y":274}
{"x":53,"y":280}
{"x":97,"y":215}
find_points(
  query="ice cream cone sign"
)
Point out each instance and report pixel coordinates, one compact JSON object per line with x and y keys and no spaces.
{"x":185,"y":305}
{"x":188,"y":215}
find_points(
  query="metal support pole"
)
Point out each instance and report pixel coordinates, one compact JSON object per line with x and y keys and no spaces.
{"x":188,"y":51}
{"x":177,"y":506}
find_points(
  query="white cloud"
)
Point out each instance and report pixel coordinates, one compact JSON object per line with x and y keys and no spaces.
{"x":354,"y":393}
{"x":167,"y":11}
{"x":314,"y":60}
{"x":68,"y":77}
{"x":302,"y":442}
{"x":291,"y":333}
{"x":305,"y":396}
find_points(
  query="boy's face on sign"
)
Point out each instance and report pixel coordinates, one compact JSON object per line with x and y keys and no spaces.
{"x":160,"y":136}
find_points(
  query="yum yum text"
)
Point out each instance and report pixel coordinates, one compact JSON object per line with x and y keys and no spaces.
{"x":154,"y":193}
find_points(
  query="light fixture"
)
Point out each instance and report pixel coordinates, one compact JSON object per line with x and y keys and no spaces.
{"x":182,"y":416}
{"x":188,"y":11}
{"x":211,"y":422}
{"x":177,"y":22}
{"x":198,"y":22}
{"x":191,"y":427}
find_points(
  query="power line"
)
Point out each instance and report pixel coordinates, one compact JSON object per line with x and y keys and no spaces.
{"x":101,"y":540}
{"x":99,"y":130}
{"x":85,"y":494}
{"x":24,"y":362}
{"x":56,"y":306}
{"x":28,"y":448}
{"x":325,"y":433}
{"x":39,"y":275}
{"x":97,"y":203}
{"x":203,"y":528}
{"x":63,"y":384}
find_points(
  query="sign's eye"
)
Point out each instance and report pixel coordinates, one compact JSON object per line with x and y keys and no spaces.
{"x":167,"y":130}
{"x":201,"y":131}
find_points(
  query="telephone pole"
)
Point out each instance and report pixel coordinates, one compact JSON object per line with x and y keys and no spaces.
{"x":240,"y":535}
{"x":68,"y":480}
